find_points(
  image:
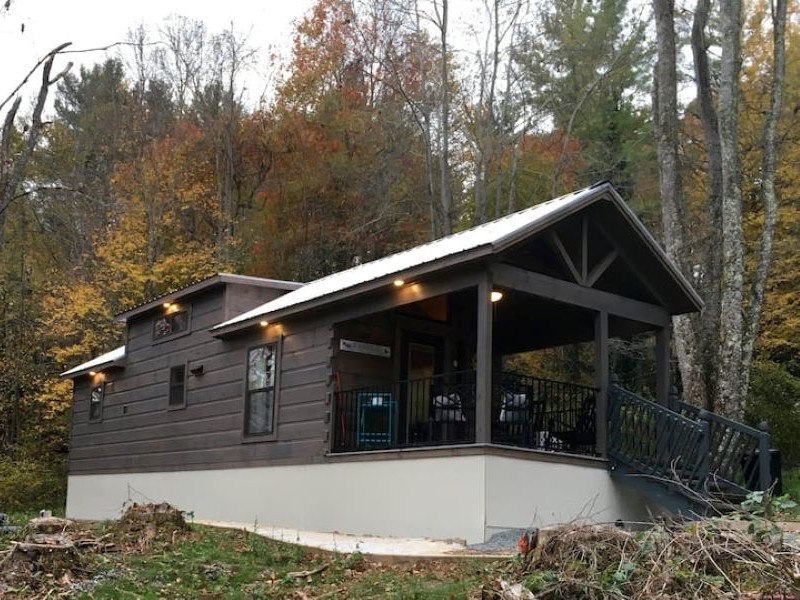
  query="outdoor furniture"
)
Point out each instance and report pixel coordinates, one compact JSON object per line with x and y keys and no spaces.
{"x":579,"y":432}
{"x":448,"y":420}
{"x":376,"y":414}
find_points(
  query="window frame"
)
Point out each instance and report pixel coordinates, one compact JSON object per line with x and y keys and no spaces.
{"x":171,"y":336}
{"x":101,"y":385}
{"x":171,"y":386}
{"x":277,"y":343}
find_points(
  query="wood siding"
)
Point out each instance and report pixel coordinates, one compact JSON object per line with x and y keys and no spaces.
{"x":138,"y":432}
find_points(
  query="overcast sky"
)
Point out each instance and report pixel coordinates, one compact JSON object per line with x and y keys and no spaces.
{"x":97,"y":23}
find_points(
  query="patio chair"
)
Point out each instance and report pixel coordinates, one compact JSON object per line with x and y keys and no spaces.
{"x":448,"y":421}
{"x":582,"y":432}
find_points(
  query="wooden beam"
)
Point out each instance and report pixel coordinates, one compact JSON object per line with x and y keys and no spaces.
{"x":569,"y":293}
{"x":566,"y":259}
{"x":662,"y":366}
{"x":640,"y":275}
{"x":601,"y":267}
{"x":601,"y":379}
{"x":386,"y":297}
{"x":483,"y":375}
{"x":585,"y":250}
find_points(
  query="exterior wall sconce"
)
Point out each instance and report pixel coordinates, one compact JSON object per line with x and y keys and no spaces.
{"x":496,"y":296}
{"x":398,"y":283}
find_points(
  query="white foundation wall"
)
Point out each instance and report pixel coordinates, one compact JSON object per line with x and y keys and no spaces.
{"x":441,"y":498}
{"x":524,"y":493}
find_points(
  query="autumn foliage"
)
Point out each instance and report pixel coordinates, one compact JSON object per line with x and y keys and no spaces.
{"x":151,"y":175}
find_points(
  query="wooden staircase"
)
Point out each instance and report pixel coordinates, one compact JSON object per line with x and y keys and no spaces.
{"x":689,"y":461}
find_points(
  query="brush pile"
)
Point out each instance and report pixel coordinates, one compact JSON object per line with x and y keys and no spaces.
{"x":145,"y":524}
{"x":51,"y":550}
{"x":55,"y":554}
{"x":712,"y":558}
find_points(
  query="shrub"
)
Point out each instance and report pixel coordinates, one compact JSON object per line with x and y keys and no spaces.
{"x":27,"y":484}
{"x":775,"y":398}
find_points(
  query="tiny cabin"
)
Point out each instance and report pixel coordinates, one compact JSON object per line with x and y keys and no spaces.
{"x":376,"y":400}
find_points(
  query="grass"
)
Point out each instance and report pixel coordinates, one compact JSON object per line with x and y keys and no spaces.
{"x":220,"y":563}
{"x":791,"y":482}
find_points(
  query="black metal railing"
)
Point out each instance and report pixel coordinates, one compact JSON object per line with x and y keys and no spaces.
{"x":658,"y":442}
{"x":738,"y":455}
{"x":527,"y":412}
{"x":417,"y":412}
{"x":543,"y":414}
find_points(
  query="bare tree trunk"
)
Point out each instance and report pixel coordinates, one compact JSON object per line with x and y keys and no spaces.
{"x":512,"y":174}
{"x":12,"y":169}
{"x":711,"y":259}
{"x":445,"y":196}
{"x":730,"y":394}
{"x":665,"y":103}
{"x":769,"y":196}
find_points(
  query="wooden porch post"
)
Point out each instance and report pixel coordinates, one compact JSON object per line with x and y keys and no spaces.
{"x":483,"y":366}
{"x":601,"y":379}
{"x":662,"y":367}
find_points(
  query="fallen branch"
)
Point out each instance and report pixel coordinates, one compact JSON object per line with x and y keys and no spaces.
{"x":302,"y":574}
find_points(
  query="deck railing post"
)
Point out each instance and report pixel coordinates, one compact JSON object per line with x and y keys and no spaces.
{"x":764,"y":470}
{"x":663,"y":367}
{"x":483,"y":374}
{"x":704,"y":451}
{"x":601,"y":379}
{"x":613,"y":420}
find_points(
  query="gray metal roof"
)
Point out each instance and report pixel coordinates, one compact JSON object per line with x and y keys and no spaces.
{"x":471,"y":243}
{"x":113,"y":358}
{"x":202,"y":284}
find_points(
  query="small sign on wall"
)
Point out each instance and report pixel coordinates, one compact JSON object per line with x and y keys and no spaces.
{"x":365,"y":348}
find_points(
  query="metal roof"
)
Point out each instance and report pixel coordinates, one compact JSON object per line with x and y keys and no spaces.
{"x":202,"y":284}
{"x":459,"y":247}
{"x":471,"y":243}
{"x":108,"y":359}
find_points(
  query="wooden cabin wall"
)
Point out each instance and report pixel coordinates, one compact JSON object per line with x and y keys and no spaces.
{"x":138,"y":432}
{"x":240,"y":298}
{"x":354,"y":370}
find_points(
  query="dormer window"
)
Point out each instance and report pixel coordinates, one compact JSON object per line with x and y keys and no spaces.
{"x":96,"y":402}
{"x":171,"y":324}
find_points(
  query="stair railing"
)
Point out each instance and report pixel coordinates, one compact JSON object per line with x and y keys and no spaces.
{"x":657,"y":442}
{"x":739,"y":455}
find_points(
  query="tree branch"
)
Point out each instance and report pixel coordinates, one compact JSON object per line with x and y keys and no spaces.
{"x":769,"y":196}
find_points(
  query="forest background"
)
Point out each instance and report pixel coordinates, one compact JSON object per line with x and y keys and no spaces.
{"x":152,"y":172}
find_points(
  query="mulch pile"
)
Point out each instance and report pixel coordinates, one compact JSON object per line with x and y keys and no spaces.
{"x":712,"y":558}
{"x":143,"y":525}
{"x":52,"y":553}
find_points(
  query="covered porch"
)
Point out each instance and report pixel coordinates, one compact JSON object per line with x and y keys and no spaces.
{"x":434,"y":369}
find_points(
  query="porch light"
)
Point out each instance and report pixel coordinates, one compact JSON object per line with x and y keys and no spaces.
{"x":399,"y":283}
{"x":263,"y":323}
{"x":92,"y":373}
{"x":167,"y":304}
{"x":496,"y":296}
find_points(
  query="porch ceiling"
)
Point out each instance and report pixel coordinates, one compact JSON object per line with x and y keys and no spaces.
{"x":523,"y":322}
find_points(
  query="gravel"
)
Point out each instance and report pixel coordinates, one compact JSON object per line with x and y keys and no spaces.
{"x":502,"y":541}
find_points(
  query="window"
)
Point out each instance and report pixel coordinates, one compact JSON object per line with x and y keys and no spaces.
{"x":96,"y":402}
{"x":177,"y":387}
{"x":260,"y":393}
{"x":171,"y":324}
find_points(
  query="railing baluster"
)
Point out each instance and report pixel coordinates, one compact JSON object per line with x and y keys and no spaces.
{"x":764,"y":466}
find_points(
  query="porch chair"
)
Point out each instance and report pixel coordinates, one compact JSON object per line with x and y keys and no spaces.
{"x":448,"y":421}
{"x":515,"y":422}
{"x":579,"y":435}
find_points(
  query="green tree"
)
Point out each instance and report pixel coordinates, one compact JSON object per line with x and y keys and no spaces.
{"x":584,"y":64}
